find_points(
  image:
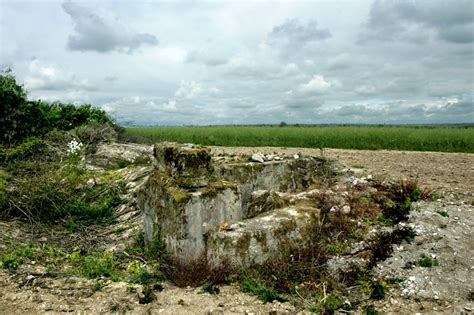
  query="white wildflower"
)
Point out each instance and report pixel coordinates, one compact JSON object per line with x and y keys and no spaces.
{"x":74,"y":146}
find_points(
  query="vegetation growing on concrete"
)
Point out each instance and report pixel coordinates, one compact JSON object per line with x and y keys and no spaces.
{"x":303,"y":278}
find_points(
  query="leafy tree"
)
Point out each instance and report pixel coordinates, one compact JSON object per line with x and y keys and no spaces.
{"x":12,"y":96}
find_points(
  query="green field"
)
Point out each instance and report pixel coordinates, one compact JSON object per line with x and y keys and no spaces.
{"x":411,"y":138}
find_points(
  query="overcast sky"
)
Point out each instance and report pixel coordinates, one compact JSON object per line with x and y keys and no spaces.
{"x":247,"y":62}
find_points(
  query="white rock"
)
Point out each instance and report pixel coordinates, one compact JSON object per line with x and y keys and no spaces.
{"x":296,"y":156}
{"x":269,"y":157}
{"x":346,"y":209}
{"x":258,"y":157}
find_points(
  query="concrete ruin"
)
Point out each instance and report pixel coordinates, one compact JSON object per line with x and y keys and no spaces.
{"x":239,"y":210}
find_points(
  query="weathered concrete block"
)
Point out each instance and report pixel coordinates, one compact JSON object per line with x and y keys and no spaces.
{"x":190,"y":204}
{"x":265,"y":237}
{"x":190,"y":166}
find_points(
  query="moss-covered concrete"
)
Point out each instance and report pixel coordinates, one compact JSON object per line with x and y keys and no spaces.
{"x":187,"y":199}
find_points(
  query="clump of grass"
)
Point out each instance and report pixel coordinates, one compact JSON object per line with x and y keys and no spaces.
{"x":20,"y":254}
{"x":379,"y":289}
{"x":255,"y":287}
{"x":96,"y":265}
{"x":326,"y":304}
{"x":396,"y":200}
{"x":427,"y":262}
{"x":371,"y":310}
{"x":337,"y":247}
{"x":98,"y":286}
{"x":145,"y":275}
{"x":210,"y":288}
{"x":382,"y":246}
{"x":146,"y":295}
{"x":11,"y":262}
{"x":443,"y":213}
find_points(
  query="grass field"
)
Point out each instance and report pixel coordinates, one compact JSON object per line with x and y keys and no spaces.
{"x":432,"y":138}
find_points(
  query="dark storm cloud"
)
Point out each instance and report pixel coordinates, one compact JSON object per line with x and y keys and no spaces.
{"x":101,"y":34}
{"x":451,"y":21}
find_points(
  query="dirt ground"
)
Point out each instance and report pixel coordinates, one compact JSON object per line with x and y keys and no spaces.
{"x":448,"y":288}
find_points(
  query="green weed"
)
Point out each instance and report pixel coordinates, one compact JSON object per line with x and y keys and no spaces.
{"x":11,"y":262}
{"x":337,"y":247}
{"x":255,"y":287}
{"x":326,"y":304}
{"x":443,"y":213}
{"x":210,"y":288}
{"x":96,"y":265}
{"x":427,"y":262}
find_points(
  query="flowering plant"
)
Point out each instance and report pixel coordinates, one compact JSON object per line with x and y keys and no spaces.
{"x":74,"y":147}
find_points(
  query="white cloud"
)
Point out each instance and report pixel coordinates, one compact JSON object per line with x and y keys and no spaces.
{"x":170,"y":105}
{"x":191,"y":90}
{"x":366,"y":90}
{"x":47,"y":77}
{"x":231,"y":62}
{"x":290,"y":69}
{"x":317,"y":85}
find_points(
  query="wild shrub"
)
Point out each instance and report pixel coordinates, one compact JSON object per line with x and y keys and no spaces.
{"x":21,"y":118}
{"x":54,"y":194}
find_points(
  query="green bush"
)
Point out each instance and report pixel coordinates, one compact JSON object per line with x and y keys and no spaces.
{"x":20,"y":118}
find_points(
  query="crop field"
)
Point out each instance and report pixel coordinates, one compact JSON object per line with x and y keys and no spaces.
{"x":409,"y":138}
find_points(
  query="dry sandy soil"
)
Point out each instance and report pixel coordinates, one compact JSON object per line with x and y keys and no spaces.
{"x":447,"y":288}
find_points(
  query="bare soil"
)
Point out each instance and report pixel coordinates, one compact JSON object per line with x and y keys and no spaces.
{"x":447,"y":288}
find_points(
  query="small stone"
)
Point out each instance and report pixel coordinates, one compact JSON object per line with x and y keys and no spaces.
{"x":296,"y":156}
{"x":269,"y":157}
{"x":346,"y":209}
{"x":258,"y":157}
{"x":221,"y":304}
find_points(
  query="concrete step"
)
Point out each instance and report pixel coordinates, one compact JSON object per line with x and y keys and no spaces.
{"x":268,"y":236}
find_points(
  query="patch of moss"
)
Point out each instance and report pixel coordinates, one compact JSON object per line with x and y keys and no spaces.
{"x":216,"y":186}
{"x":179,"y":195}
